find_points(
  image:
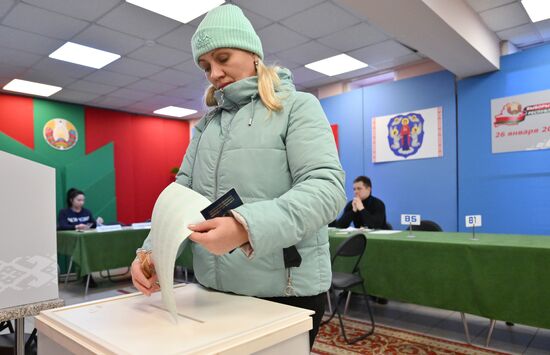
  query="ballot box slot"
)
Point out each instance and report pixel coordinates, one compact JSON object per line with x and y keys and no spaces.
{"x":178,"y":313}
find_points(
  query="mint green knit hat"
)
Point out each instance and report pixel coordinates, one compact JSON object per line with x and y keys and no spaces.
{"x":225,"y":27}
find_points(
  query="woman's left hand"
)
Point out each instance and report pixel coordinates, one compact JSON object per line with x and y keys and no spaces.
{"x":219,"y":235}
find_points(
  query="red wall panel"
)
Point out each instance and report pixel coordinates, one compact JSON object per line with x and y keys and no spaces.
{"x":17,"y":118}
{"x":146,"y":149}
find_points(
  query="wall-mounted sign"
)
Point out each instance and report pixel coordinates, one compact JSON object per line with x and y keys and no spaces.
{"x":60,"y":134}
{"x":521,"y":122}
{"x":405,"y":136}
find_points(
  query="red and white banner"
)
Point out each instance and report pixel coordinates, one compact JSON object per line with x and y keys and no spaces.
{"x":521,"y":122}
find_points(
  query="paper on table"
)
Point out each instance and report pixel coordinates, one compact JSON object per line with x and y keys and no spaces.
{"x":176,"y":208}
{"x":385,"y":232}
{"x":351,"y":229}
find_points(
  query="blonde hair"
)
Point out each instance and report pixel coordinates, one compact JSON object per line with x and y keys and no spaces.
{"x":268,"y":81}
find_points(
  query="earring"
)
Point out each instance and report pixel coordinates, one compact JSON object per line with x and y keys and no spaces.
{"x":256,"y":63}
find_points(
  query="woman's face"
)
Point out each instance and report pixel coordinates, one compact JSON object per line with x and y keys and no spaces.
{"x":78,"y":201}
{"x":224,"y":66}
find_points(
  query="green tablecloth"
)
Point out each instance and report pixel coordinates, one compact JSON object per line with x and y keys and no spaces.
{"x":503,"y":277}
{"x":92,"y":251}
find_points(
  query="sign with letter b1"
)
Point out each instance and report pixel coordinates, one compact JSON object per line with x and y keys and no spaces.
{"x":473,"y":221}
{"x":408,"y":219}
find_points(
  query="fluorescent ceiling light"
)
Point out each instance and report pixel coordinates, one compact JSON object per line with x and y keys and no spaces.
{"x":83,"y":55}
{"x":341,"y":63}
{"x":180,"y":10}
{"x":537,"y":10}
{"x":30,"y":87}
{"x":175,"y":111}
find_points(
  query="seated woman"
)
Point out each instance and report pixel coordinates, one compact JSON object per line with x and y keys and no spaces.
{"x":76,"y":217}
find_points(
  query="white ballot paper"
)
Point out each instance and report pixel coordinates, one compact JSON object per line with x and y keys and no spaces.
{"x":176,"y":208}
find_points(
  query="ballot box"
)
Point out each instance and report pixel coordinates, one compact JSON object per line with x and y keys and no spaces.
{"x":208,"y":322}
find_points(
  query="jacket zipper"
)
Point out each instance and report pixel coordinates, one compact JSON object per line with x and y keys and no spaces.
{"x":217,"y":258}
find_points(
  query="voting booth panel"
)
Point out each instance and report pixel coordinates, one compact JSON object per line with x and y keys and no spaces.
{"x":28,"y":261}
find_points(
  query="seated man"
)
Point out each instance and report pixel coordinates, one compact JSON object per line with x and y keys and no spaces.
{"x":364,"y":210}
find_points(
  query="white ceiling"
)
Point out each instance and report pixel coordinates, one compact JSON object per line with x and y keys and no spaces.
{"x":156,"y":67}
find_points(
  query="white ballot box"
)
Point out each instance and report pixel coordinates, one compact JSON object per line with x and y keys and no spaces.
{"x":208,"y":323}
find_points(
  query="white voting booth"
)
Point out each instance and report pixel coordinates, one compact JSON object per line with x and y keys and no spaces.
{"x":28,"y":259}
{"x":208,"y":323}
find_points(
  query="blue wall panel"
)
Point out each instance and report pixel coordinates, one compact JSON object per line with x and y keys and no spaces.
{"x":424,"y":186}
{"x":510,"y":190}
{"x":346,"y":110}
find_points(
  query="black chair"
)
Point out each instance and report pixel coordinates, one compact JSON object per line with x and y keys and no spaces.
{"x":355,"y":247}
{"x":427,"y":226}
{"x":6,"y":324}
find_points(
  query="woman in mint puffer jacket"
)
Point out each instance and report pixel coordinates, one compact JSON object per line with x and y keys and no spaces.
{"x":275,"y":146}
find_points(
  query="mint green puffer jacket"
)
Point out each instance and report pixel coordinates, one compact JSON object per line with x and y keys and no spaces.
{"x":285,"y":167}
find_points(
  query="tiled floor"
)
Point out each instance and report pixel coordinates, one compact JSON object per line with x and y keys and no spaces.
{"x":517,"y":339}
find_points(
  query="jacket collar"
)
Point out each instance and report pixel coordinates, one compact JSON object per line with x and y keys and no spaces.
{"x":240,"y":93}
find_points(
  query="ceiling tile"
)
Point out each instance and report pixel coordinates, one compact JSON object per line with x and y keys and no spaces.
{"x":58,"y":67}
{"x":380,"y":52}
{"x":139,"y":22}
{"x":191,"y":68}
{"x":544,"y":29}
{"x":151,"y":86}
{"x":320,"y":82}
{"x":276,"y":38}
{"x":3,"y":82}
{"x":173,"y":77}
{"x":162,"y":101}
{"x":47,"y":78}
{"x":112,"y":102}
{"x":146,"y":108}
{"x":180,"y":38}
{"x":320,"y":20}
{"x":5,"y":6}
{"x":195,"y":92}
{"x":161,"y":55}
{"x":303,"y":74}
{"x":198,"y":105}
{"x":111,"y":78}
{"x":26,"y":41}
{"x":507,"y":16}
{"x":133,"y":67}
{"x":398,"y":61}
{"x":275,"y":59}
{"x":18,"y":58}
{"x":353,"y":37}
{"x":12,"y":71}
{"x":522,"y":35}
{"x":195,"y":23}
{"x":131,"y":94}
{"x":108,"y":40}
{"x":356,"y":73}
{"x":36,"y":20}
{"x":89,"y":86}
{"x":69,"y":95}
{"x":85,"y":10}
{"x":482,"y":5}
{"x":277,"y":10}
{"x":308,"y":52}
{"x":256,"y":20}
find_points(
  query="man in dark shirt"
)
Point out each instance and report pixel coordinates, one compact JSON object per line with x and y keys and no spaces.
{"x":364,"y":210}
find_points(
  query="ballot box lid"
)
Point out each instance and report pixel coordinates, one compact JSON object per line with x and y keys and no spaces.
{"x":208,"y":322}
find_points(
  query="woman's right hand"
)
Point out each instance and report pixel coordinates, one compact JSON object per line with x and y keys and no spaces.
{"x":145,"y":285}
